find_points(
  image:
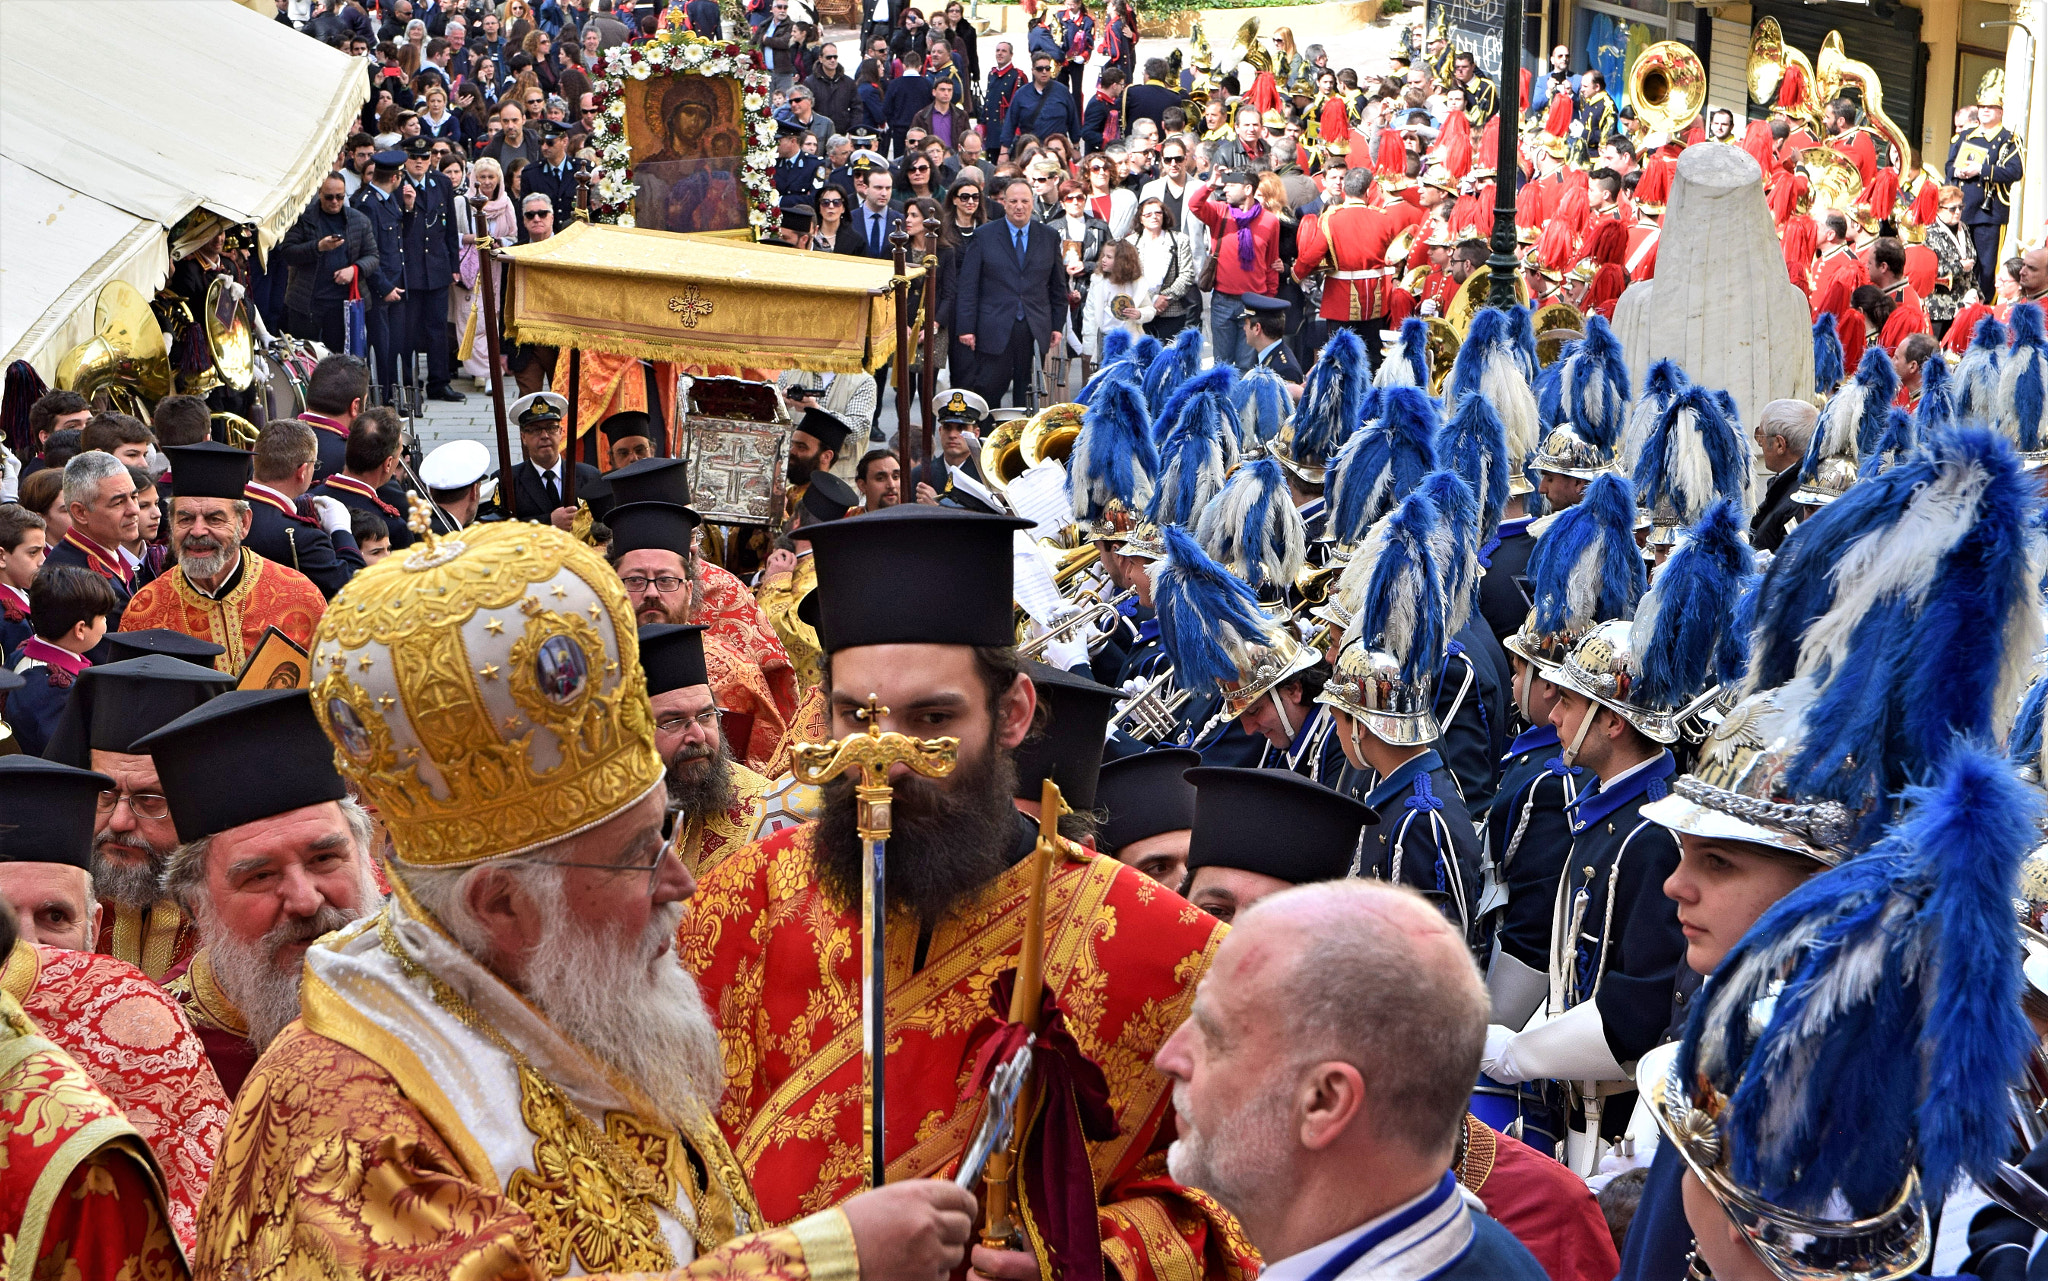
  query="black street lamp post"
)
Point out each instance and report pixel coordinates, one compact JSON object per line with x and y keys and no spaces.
{"x":1501,"y":265}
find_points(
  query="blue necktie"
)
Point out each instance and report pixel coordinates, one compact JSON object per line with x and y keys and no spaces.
{"x":875,"y":237}
{"x":1017,"y":234}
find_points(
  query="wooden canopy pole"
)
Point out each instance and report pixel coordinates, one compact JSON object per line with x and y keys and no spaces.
{"x":487,"y":255}
{"x":899,"y":241}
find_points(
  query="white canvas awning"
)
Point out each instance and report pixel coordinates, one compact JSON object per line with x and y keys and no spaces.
{"x":46,"y":296}
{"x":196,"y":105}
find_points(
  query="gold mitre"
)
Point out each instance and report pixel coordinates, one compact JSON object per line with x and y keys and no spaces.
{"x":484,"y":692}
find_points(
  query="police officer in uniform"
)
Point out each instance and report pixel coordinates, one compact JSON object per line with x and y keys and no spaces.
{"x":380,"y":200}
{"x":430,"y":261}
{"x":554,"y":177}
{"x":1265,"y":328}
{"x":796,"y":174}
{"x":1986,"y":163}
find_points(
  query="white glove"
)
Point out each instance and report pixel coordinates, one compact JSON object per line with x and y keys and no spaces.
{"x":1570,"y":1047}
{"x":334,"y":516}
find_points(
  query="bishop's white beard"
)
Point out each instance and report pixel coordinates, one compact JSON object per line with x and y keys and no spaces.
{"x":632,"y":1005}
{"x":1244,"y":1162}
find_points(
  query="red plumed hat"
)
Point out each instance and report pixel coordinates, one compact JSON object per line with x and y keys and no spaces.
{"x":1654,"y":187}
{"x":1557,"y":122}
{"x":1883,"y":194}
{"x":1390,"y":160}
{"x":1792,"y":89}
{"x":1556,"y":247}
{"x":1574,"y":210}
{"x":1801,"y":240}
{"x":1455,"y":144}
{"x":1607,"y":242}
{"x":1605,"y":288}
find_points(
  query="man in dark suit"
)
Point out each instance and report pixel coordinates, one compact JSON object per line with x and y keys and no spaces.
{"x":305,"y":533}
{"x":1150,"y":100}
{"x":431,"y":255}
{"x":369,"y":467}
{"x":539,"y":483}
{"x":874,"y":219}
{"x":1783,"y":431}
{"x":1012,"y":298}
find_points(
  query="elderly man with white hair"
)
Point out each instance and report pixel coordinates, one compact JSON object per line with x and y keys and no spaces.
{"x":1783,"y":431}
{"x":506,"y":1073}
{"x":1320,"y":1084}
{"x":266,"y":866}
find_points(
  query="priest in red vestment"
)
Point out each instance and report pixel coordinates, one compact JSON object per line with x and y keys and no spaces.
{"x":107,"y":1015}
{"x":220,"y":591}
{"x":914,"y":613}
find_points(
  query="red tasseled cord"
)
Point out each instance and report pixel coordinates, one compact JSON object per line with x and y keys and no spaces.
{"x":1455,"y":144}
{"x":1391,"y":160}
{"x":1607,"y":242}
{"x":1792,"y":89}
{"x":1606,"y":287}
{"x":1883,"y":195}
{"x":1801,"y":240}
{"x":1574,"y":209}
{"x":1557,"y":122}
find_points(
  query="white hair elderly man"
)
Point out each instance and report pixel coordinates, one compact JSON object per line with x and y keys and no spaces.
{"x":271,"y":860}
{"x":1783,"y":431}
{"x":1320,"y":1083}
{"x":508,"y":1064}
{"x":99,"y":496}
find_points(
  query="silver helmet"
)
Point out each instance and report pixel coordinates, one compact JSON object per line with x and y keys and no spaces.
{"x":1367,"y":686}
{"x":1565,"y":453}
{"x":1736,"y":791}
{"x":1604,"y":667}
{"x":1266,"y":664}
{"x":1831,"y":478}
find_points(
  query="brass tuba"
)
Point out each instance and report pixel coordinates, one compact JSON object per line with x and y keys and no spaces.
{"x":1769,"y":56}
{"x":126,"y":359}
{"x":1002,"y":455}
{"x":1471,"y":298}
{"x":236,"y":430}
{"x":1668,"y":85}
{"x":1050,"y":434}
{"x":1838,"y":71}
{"x":1556,"y":325}
{"x":1247,"y":50}
{"x":1832,"y":180}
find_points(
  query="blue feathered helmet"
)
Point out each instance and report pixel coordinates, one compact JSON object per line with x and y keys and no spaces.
{"x":1392,"y":606}
{"x":1584,"y":570}
{"x":1333,"y":401}
{"x":1660,"y":387}
{"x":1491,"y":364}
{"x":1593,"y":386}
{"x":1382,"y":462}
{"x":1113,"y":467}
{"x":1124,"y":370}
{"x":2023,"y":385}
{"x":1193,"y":460}
{"x":1828,"y":369}
{"x":1213,"y":628}
{"x":1473,"y":444}
{"x":1260,"y":399}
{"x":1684,"y":631}
{"x":1977,"y":374}
{"x":1207,"y":394}
{"x":1859,"y":407}
{"x":1841,"y":710}
{"x":1253,"y":530}
{"x":1832,"y":460}
{"x":1171,"y":368}
{"x":1695,"y":455}
{"x":1408,"y":365}
{"x":1853,"y":1059}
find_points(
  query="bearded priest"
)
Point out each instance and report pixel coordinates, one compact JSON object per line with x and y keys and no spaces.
{"x":913,"y":609}
{"x":505,"y":1073}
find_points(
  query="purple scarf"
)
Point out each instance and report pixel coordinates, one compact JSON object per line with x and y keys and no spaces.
{"x":1244,"y":218}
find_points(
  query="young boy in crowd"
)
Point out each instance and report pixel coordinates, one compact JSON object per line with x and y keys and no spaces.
{"x":68,"y":607}
{"x":23,"y":544}
{"x":373,"y":536}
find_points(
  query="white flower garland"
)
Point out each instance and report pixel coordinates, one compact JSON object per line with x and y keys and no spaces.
{"x":673,"y":49}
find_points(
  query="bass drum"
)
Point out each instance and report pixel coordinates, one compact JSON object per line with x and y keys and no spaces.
{"x":277,"y":388}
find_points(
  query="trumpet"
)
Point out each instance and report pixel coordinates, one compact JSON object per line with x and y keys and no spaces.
{"x":1151,"y":714}
{"x":1089,"y":612}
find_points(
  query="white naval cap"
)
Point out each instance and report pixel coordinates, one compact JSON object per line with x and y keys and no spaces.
{"x":455,"y":465}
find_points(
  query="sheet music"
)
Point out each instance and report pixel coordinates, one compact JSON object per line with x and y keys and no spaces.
{"x":1040,"y":496}
{"x":1032,"y":580}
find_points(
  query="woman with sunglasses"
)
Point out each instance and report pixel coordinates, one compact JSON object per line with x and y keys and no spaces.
{"x":1955,"y":258}
{"x":833,"y":232}
{"x":1167,"y":269}
{"x":966,"y":209}
{"x":917,"y":182}
{"x":1107,"y":200}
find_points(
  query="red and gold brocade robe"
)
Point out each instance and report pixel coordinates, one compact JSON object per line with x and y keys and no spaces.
{"x":388,"y":1135}
{"x":81,"y":1197}
{"x":157,"y":941}
{"x":780,"y":966}
{"x":719,"y":836}
{"x":130,"y":1038}
{"x":269,"y":595}
{"x":221,"y":1027}
{"x":736,"y":622}
{"x":755,"y":728}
